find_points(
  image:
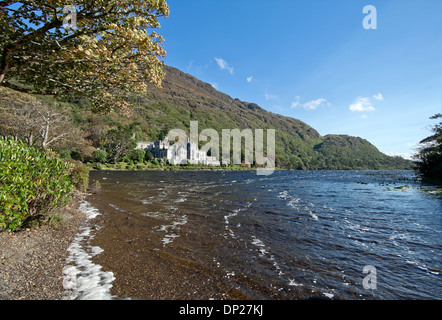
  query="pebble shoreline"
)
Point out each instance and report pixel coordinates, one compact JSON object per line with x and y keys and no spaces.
{"x":32,"y":260}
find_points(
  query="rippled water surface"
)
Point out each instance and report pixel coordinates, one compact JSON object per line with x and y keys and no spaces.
{"x":290,"y":235}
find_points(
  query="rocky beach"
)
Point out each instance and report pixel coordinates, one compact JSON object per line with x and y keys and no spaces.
{"x":32,"y":260}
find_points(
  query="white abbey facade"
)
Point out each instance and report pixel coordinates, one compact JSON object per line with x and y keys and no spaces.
{"x":178,"y":154}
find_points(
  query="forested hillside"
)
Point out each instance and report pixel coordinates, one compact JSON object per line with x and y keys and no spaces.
{"x":78,"y":132}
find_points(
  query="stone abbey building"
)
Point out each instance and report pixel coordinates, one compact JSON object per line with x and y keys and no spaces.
{"x":178,"y":154}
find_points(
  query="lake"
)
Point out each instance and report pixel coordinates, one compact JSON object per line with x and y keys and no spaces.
{"x":236,"y":235}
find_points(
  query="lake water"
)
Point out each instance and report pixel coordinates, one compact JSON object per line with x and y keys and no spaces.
{"x":236,"y":235}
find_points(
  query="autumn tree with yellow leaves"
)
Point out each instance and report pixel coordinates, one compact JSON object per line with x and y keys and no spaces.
{"x":111,"y":50}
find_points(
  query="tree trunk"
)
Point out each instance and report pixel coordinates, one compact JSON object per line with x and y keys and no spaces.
{"x":4,"y":65}
{"x":3,"y":72}
{"x":45,"y":135}
{"x":30,"y":139}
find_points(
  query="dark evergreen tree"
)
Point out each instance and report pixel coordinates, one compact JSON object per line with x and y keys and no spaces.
{"x":429,"y":156}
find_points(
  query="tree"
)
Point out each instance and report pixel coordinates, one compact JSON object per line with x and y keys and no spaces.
{"x":15,"y":117}
{"x":137,"y":155}
{"x":149,"y":156}
{"x":429,"y":155}
{"x":97,"y":135}
{"x":100,"y":156}
{"x":120,"y":141}
{"x":162,"y":135}
{"x":105,"y":55}
{"x":51,"y":125}
{"x":37,"y":123}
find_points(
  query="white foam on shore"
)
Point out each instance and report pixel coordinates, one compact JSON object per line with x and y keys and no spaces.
{"x":88,"y":210}
{"x":83,"y":279}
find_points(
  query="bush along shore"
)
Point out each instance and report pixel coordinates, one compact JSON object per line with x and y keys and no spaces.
{"x":39,"y":219}
{"x":33,"y":184}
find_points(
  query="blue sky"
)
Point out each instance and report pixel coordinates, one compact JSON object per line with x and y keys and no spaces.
{"x":314,"y":61}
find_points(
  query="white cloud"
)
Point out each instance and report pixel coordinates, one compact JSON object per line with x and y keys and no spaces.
{"x":249,"y":79}
{"x":378,"y":97}
{"x":189,"y":66}
{"x":295,"y":103}
{"x":405,"y":155}
{"x":271,"y":96}
{"x":214,"y":85}
{"x":365,"y":104}
{"x":314,"y":104}
{"x":362,"y":104}
{"x":310,"y":105}
{"x":224,"y":65}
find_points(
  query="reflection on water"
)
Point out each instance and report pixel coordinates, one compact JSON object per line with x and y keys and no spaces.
{"x":291,"y":235}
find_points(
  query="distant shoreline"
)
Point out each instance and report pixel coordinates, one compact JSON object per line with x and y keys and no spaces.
{"x":236,"y":169}
{"x":177,"y":168}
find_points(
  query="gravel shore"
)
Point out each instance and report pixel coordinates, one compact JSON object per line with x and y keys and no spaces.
{"x":32,"y":261}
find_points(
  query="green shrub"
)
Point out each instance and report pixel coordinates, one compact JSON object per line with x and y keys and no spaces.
{"x":98,"y":166}
{"x":149,"y":156}
{"x":79,"y":175}
{"x":31,"y":183}
{"x":137,"y":155}
{"x":100,"y":156}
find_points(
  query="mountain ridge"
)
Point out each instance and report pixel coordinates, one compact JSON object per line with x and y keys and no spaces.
{"x":183,"y":98}
{"x":298,"y":145}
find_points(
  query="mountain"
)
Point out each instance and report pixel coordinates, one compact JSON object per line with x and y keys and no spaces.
{"x":184,"y":98}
